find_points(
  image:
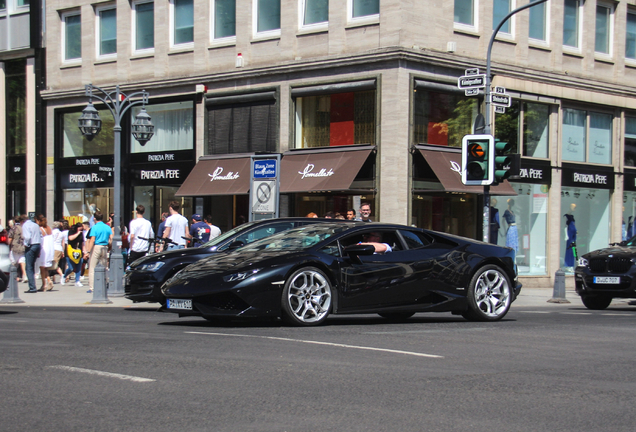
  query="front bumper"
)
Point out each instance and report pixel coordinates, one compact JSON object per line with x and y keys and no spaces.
{"x":584,"y":284}
{"x":143,"y":287}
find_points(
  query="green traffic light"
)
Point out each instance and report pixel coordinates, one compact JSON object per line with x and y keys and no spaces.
{"x":502,"y":161}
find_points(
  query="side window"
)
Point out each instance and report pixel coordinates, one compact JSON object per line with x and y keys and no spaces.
{"x":264,"y":231}
{"x":414,"y":240}
{"x":331,"y":249}
{"x":389,"y":237}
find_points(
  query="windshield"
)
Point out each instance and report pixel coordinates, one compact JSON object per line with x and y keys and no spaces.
{"x":296,"y":239}
{"x":220,"y":239}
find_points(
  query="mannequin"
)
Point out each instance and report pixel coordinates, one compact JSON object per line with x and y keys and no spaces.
{"x":512,"y":236}
{"x":494,"y":222}
{"x":570,"y":243}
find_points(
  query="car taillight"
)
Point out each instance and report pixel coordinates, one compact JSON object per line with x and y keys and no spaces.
{"x":3,"y":237}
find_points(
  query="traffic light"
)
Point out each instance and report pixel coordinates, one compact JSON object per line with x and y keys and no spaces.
{"x":478,"y":153}
{"x":502,"y":161}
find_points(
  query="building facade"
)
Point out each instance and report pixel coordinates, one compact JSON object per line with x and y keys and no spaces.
{"x":361,"y":100}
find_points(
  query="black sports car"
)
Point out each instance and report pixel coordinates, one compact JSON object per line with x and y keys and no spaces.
{"x":146,"y":275}
{"x":307,"y":273}
{"x":605,"y":274}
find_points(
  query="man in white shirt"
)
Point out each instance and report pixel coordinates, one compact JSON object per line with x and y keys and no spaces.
{"x":32,"y":238}
{"x":139,"y":227}
{"x":215,"y":231}
{"x":176,"y":227}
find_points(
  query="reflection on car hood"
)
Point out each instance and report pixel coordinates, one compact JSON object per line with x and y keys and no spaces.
{"x":176,"y":253}
{"x":221,"y":263}
{"x":622,"y":251}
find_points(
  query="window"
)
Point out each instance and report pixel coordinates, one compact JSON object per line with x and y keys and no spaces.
{"x":630,"y":36}
{"x":538,"y":19}
{"x":74,"y":144}
{"x":3,"y":4}
{"x":72,"y":36}
{"x":174,"y":127}
{"x":533,"y":119}
{"x":630,"y":141}
{"x":106,"y":31}
{"x":16,"y":113}
{"x":314,"y":12}
{"x":182,"y":21}
{"x":23,"y":3}
{"x":465,"y":12}
{"x":443,"y":118}
{"x":571,"y":23}
{"x":363,"y":10}
{"x":335,"y":119}
{"x":603,"y":36}
{"x":587,"y":136}
{"x":143,"y":26}
{"x":501,"y":8}
{"x":224,"y":19}
{"x":267,"y":17}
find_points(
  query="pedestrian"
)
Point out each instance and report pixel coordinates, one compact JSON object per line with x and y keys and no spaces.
{"x":329,"y":215}
{"x":86,"y":227}
{"x":199,"y":231}
{"x":47,"y":253}
{"x":176,"y":227}
{"x":312,"y":215}
{"x":139,"y":227}
{"x":58,"y":247}
{"x":32,"y":238}
{"x":339,"y":216}
{"x":351,"y":214}
{"x":16,"y":246}
{"x":162,"y":227}
{"x":365,"y":212}
{"x":99,"y":239}
{"x":75,"y":253}
{"x":215,"y":231}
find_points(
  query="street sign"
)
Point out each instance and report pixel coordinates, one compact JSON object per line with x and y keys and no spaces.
{"x":471,"y":81}
{"x":500,"y":109}
{"x":500,"y":99}
{"x":264,"y":197}
{"x":500,"y":90}
{"x":265,"y":168}
{"x":264,"y":187}
{"x":471,"y":91}
{"x":473,"y":71}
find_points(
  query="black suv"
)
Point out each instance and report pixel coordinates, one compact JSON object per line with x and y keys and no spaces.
{"x":146,"y":275}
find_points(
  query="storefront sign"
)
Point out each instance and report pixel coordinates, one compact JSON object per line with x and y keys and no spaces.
{"x":309,"y":172}
{"x":160,"y":174}
{"x":219,"y":175}
{"x":534,"y":171}
{"x":161,"y":157}
{"x":16,"y":172}
{"x":576,"y":176}
{"x":87,"y":177}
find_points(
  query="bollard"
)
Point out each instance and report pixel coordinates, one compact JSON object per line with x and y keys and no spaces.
{"x":99,"y":286}
{"x":11,"y":294}
{"x":558,"y":295}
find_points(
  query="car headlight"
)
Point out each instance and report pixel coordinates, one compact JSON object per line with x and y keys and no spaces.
{"x":151,"y":266}
{"x":235,"y":277}
{"x":582,"y":262}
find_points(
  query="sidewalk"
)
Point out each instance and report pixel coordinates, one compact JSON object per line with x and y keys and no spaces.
{"x":70,"y":295}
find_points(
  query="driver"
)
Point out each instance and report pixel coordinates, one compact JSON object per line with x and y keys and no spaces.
{"x":374,"y":239}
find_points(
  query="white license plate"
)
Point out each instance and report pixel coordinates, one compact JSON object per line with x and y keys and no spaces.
{"x":179,"y":304}
{"x":607,"y":280}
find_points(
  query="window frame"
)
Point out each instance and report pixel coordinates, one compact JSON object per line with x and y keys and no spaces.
{"x":630,"y":60}
{"x":579,"y":29}
{"x":361,"y":20}
{"x":98,"y":35}
{"x":133,"y":28}
{"x":588,"y":115}
{"x":266,"y":34}
{"x":226,"y":40}
{"x":302,"y":10}
{"x":173,"y":27}
{"x":546,"y":27}
{"x":63,"y":18}
{"x":510,"y":35}
{"x":609,"y":37}
{"x":472,"y":28}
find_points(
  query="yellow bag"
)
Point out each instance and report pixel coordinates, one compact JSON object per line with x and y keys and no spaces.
{"x":74,"y":254}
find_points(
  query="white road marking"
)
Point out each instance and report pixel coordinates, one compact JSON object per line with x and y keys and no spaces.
{"x":101,"y":373}
{"x":322,"y":343}
{"x":535,"y":312}
{"x":431,"y":331}
{"x":627,"y":314}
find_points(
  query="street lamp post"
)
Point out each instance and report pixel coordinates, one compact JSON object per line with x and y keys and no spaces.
{"x":142,"y":129}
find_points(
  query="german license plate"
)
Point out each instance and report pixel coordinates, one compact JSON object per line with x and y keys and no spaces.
{"x":607,"y":280}
{"x":179,"y":304}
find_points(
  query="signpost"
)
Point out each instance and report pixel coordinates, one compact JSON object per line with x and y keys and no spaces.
{"x":265,"y":187}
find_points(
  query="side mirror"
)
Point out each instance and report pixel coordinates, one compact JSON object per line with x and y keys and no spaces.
{"x":355,"y":251}
{"x":235,"y":245}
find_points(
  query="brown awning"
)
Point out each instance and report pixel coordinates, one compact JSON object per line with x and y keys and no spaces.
{"x":225,"y":176}
{"x":321,"y":170}
{"x":447,"y":167}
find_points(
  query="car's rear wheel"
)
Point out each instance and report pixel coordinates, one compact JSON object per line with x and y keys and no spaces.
{"x":596,"y":302}
{"x":396,"y":316}
{"x":488,"y":295}
{"x":306,"y":297}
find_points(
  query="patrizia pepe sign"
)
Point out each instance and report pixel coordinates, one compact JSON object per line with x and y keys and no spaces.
{"x":308,"y":172}
{"x":218,"y":175}
{"x":599,"y":177}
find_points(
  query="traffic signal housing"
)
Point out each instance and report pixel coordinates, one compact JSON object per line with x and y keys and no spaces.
{"x":478,"y":164}
{"x":502,"y":161}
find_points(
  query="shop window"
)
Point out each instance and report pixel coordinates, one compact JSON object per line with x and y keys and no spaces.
{"x":589,"y":210}
{"x":80,"y":204}
{"x":586,"y":136}
{"x":604,"y":28}
{"x":243,"y":127}
{"x":143,"y":26}
{"x":174,"y":127}
{"x":182,"y":21}
{"x":15,"y":82}
{"x":630,"y":141}
{"x":572,"y":23}
{"x":533,"y":119}
{"x":443,"y":118}
{"x":629,"y":215}
{"x":74,"y":144}
{"x":520,"y":222}
{"x":72,"y":36}
{"x":267,"y":17}
{"x":630,"y":35}
{"x":501,"y":8}
{"x":537,"y":25}
{"x":336,"y":119}
{"x":314,"y":12}
{"x":224,"y":19}
{"x":450,"y":213}
{"x":465,"y":12}
{"x":106,"y":31}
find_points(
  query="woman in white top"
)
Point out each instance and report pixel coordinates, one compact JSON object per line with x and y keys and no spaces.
{"x":58,"y":247}
{"x":47,"y":252}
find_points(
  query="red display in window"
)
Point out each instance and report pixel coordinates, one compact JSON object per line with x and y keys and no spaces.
{"x":341,"y":127}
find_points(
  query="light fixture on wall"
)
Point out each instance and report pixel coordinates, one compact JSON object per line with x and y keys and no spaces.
{"x":577,"y":193}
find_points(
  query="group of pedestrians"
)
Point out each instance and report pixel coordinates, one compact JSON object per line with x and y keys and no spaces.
{"x":365,"y":212}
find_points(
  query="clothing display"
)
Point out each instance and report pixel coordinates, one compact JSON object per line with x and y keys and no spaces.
{"x":512,"y":235}
{"x":494,"y":225}
{"x":571,"y":240}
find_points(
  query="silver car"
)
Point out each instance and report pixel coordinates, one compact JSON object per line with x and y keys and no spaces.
{"x":5,"y":263}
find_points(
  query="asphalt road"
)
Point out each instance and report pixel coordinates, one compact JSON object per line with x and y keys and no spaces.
{"x":544,"y":368}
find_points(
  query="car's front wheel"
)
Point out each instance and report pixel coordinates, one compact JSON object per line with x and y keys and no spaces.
{"x":306,"y":297}
{"x":488,"y":295}
{"x":595,"y":302}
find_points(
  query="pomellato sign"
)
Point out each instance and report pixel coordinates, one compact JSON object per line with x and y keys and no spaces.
{"x":308,"y":172}
{"x":218,"y":175}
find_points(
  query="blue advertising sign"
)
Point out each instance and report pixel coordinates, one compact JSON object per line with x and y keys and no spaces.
{"x":265,"y":168}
